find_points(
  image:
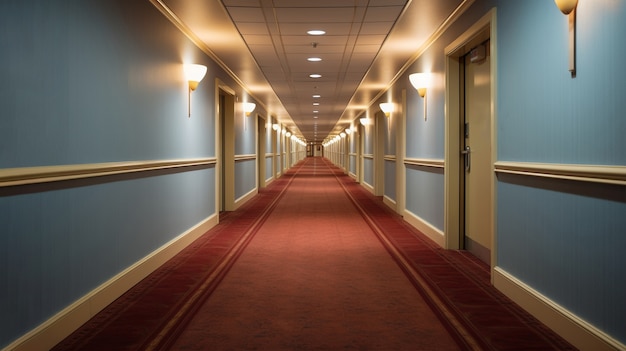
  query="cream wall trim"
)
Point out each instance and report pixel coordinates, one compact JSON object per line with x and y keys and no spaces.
{"x":176,"y":21}
{"x":583,"y":173}
{"x":247,"y":157}
{"x":424,"y":162}
{"x":268,"y":155}
{"x":452,"y":190}
{"x":46,"y":174}
{"x":353,"y":154}
{"x":242,"y":200}
{"x":578,"y":332}
{"x":370,"y":156}
{"x":390,"y":158}
{"x":426,"y":228}
{"x":368,"y":186}
{"x":391,"y":203}
{"x":454,"y":16}
{"x":352,"y":175}
{"x":59,"y":326}
{"x":269,"y":180}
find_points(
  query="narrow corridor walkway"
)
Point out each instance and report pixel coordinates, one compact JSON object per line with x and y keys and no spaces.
{"x":315,"y":277}
{"x":314,"y":262}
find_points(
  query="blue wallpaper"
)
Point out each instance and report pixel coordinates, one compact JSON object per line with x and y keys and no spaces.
{"x":390,"y":179}
{"x":84,"y":83}
{"x":245,"y":177}
{"x":544,"y":114}
{"x":425,"y":194}
{"x":59,"y":244}
{"x":566,"y":240}
{"x":89,"y":82}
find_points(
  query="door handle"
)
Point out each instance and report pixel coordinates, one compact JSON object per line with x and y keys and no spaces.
{"x":468,"y":158}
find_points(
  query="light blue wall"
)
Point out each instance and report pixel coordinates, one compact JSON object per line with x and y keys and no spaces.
{"x":353,"y":160}
{"x":390,"y":179}
{"x":245,"y":128}
{"x":245,"y":177}
{"x":564,"y":239}
{"x":368,"y":171}
{"x":426,"y":197}
{"x":544,"y":114}
{"x":268,"y":168}
{"x":90,"y":82}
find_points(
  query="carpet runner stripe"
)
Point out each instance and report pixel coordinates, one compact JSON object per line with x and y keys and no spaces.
{"x":488,"y":320}
{"x":455,"y":285}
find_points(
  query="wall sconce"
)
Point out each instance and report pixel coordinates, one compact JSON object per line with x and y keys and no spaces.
{"x":365,"y":121}
{"x":288,"y":134}
{"x":248,"y":107}
{"x":342,"y":134}
{"x":348,"y":131}
{"x":194,"y":74}
{"x":387,"y":108}
{"x":275,"y":126}
{"x":568,"y":7}
{"x":421,"y":82}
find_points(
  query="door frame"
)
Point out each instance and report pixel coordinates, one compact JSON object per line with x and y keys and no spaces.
{"x":261,"y":138}
{"x":452,"y":177}
{"x":225,"y":149}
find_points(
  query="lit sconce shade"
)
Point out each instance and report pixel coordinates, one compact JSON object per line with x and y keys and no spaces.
{"x":387,"y":108}
{"x":342,"y":134}
{"x":194,"y":74}
{"x":248,"y":107}
{"x":288,"y":134}
{"x":420,"y":81}
{"x":349,"y":131}
{"x":566,"y":6}
{"x":365,"y":121}
{"x":275,"y":126}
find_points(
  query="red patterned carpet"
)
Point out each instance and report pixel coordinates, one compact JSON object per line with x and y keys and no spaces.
{"x":312,"y":263}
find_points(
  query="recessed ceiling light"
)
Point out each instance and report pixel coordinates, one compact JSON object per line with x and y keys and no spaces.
{"x":314,"y":59}
{"x":316,"y":104}
{"x":314,"y":116}
{"x":316,"y":111}
{"x":317,"y":96}
{"x":315,"y":75}
{"x":316,"y":32}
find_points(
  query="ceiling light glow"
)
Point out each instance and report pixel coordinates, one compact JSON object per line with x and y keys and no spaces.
{"x":316,"y":32}
{"x":315,"y":75}
{"x":314,"y":59}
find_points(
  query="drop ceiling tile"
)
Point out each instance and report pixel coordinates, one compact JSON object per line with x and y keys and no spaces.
{"x":382,"y":28}
{"x":337,"y":28}
{"x":383,"y":13}
{"x":314,"y":15}
{"x":252,"y":28}
{"x":370,"y":40}
{"x":246,"y":14}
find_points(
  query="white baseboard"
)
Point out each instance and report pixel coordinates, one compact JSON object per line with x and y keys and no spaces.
{"x":61,"y":325}
{"x":367,"y":186}
{"x":242,"y":200}
{"x":426,"y":228}
{"x":391,"y":203}
{"x":572,"y":328}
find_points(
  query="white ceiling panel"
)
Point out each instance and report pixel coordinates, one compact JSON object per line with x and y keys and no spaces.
{"x":265,"y":45}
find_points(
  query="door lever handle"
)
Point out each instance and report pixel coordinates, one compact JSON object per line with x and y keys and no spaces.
{"x":468,"y":159}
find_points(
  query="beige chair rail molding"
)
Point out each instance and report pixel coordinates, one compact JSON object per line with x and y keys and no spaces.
{"x":46,"y":174}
